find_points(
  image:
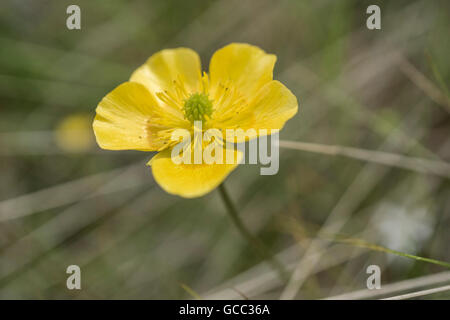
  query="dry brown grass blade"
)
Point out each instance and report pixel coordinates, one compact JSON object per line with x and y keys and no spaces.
{"x":422,"y":165}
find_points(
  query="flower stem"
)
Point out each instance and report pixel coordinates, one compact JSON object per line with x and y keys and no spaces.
{"x":253,"y":241}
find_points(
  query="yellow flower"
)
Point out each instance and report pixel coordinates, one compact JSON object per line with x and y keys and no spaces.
{"x":73,"y":133}
{"x":169,"y":92}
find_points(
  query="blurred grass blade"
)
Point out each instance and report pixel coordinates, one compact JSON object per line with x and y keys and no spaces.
{"x":436,"y":73}
{"x":420,"y":293}
{"x":364,"y":244}
{"x":436,"y":167}
{"x":190,"y":291}
{"x":422,"y":82}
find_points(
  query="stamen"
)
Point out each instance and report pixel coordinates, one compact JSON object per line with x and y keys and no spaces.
{"x":198,"y":107}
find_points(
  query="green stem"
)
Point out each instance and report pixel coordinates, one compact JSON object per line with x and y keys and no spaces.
{"x":253,"y":241}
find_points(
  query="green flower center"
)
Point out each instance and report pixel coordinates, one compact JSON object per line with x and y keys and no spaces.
{"x":197,"y":106}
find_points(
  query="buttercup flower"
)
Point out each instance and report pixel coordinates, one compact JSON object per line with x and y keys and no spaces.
{"x":73,"y":133}
{"x":169,"y":92}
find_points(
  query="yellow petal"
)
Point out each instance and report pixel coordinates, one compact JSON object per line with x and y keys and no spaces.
{"x":269,"y":109}
{"x":181,"y":65}
{"x":129,"y":117}
{"x":189,"y":180}
{"x":245,"y":66}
